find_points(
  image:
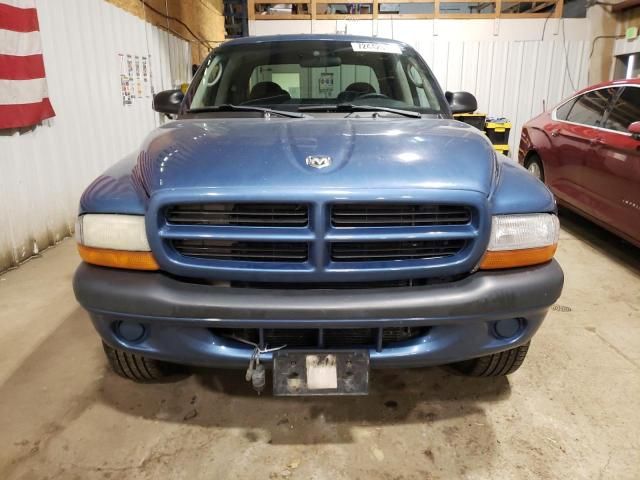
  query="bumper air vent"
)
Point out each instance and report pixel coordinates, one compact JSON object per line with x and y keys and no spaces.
{"x":325,"y":338}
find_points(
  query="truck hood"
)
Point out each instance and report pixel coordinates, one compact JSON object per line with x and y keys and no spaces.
{"x":365,"y":153}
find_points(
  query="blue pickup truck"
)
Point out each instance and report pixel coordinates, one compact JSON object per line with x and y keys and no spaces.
{"x":314,"y":210}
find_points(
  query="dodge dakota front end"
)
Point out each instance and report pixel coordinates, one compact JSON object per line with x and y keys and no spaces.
{"x":315,"y":209}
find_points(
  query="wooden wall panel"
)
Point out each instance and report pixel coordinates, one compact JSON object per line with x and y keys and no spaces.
{"x":204,"y":17}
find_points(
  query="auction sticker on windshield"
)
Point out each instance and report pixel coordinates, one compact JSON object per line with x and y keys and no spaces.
{"x":376,"y":47}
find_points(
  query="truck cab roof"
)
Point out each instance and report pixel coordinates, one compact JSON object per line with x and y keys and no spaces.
{"x":307,"y":38}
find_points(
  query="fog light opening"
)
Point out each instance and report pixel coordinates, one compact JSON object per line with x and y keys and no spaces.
{"x":508,"y":328}
{"x":130,"y":331}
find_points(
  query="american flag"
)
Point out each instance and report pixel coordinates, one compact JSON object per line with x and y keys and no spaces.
{"x":24,"y":100}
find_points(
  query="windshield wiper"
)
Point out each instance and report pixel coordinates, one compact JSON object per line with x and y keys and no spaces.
{"x":228,"y":107}
{"x":350,"y":107}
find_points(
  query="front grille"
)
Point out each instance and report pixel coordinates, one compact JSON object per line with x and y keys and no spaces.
{"x":327,"y":338}
{"x":398,"y":215}
{"x":402,"y":250}
{"x":316,"y":238}
{"x":243,"y":251}
{"x":240,"y":214}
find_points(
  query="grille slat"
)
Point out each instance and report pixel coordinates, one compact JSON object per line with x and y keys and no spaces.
{"x":243,"y":251}
{"x":394,"y":247}
{"x":397,"y":215}
{"x":392,"y":214}
{"x":239,"y":214}
{"x":365,"y":251}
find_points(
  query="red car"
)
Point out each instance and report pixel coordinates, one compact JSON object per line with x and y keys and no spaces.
{"x":587,"y":150}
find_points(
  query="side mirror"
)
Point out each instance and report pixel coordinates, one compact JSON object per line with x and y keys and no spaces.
{"x":168,"y":101}
{"x":461,"y":102}
{"x":634,"y":130}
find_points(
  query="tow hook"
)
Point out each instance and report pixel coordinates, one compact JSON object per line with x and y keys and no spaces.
{"x":258,"y":378}
{"x":256,"y":373}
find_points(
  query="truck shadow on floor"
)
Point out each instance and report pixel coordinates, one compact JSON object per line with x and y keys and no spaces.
{"x":223,"y":399}
{"x":62,"y":403}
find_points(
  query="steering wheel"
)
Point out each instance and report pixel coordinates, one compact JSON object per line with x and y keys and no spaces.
{"x":371,"y":95}
{"x":281,"y":98}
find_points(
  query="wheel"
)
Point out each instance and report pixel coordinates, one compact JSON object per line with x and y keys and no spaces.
{"x":534,"y":165}
{"x":495,"y":365}
{"x":136,"y":367}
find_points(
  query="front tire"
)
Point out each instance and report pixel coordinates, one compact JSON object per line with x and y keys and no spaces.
{"x":495,"y":365}
{"x":136,"y":367}
{"x":534,"y":165}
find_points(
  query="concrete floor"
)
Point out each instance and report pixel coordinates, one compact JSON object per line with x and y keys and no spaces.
{"x":571,"y":412}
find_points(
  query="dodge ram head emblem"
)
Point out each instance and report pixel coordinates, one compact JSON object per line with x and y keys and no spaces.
{"x":318,"y":161}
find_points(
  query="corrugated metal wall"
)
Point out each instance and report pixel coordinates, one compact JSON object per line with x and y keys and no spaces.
{"x":511,"y":79}
{"x":512,"y":66}
{"x":43,"y":171}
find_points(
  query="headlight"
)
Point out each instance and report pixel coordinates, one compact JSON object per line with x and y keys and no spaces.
{"x":118,"y":241}
{"x":521,"y":240}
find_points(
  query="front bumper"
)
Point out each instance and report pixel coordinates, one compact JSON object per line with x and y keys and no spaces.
{"x":178,"y":316}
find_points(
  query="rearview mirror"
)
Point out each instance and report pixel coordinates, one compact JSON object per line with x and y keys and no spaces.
{"x":168,"y":101}
{"x":461,"y":102}
{"x":318,"y":62}
{"x":634,"y":130}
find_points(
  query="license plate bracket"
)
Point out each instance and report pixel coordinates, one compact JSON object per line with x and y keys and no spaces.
{"x":320,"y":372}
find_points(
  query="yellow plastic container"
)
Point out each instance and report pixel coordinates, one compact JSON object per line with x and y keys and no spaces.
{"x":498,"y":131}
{"x":474,"y":119}
{"x":503,"y":149}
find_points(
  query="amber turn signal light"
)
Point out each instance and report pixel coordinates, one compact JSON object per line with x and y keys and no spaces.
{"x":525,"y":257}
{"x":118,"y":258}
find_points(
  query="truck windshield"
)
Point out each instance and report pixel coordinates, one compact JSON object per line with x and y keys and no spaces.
{"x":287,"y":75}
